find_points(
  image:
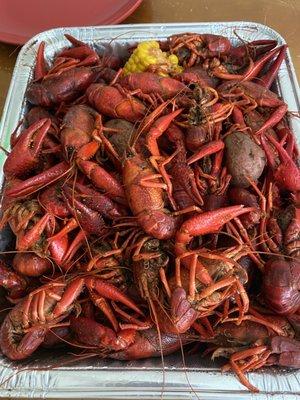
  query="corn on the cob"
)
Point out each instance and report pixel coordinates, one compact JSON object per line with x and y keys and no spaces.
{"x":148,"y":54}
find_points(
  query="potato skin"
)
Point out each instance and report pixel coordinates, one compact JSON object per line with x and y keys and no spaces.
{"x":244,"y":158}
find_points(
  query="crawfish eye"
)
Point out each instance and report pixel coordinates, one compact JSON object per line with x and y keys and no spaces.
{"x":192,"y":86}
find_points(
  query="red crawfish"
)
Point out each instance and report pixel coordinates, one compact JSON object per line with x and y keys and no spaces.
{"x":243,"y":196}
{"x":192,"y":47}
{"x":77,"y":56}
{"x":251,"y":95}
{"x":204,"y":223}
{"x":62,"y":88}
{"x":221,"y":274}
{"x":24,"y":157}
{"x":67,"y":79}
{"x":127,"y":344}
{"x":257,"y":341}
{"x":149,"y":265}
{"x":28,"y":222}
{"x":147,"y":83}
{"x":78,"y":132}
{"x":286,"y":172}
{"x":17,"y":188}
{"x":30,"y":264}
{"x":227,"y":276}
{"x":197,"y":75}
{"x":110,"y":101}
{"x":227,"y":70}
{"x":185,"y":193}
{"x":37,"y":113}
{"x":26,"y":325}
{"x":146,"y":200}
{"x":14,"y":283}
{"x":281,"y":285}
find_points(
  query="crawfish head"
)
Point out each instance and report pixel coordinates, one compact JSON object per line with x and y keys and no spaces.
{"x":110,"y":101}
{"x":91,"y":221}
{"x":38,"y":113}
{"x":30,"y":264}
{"x":289,"y":221}
{"x":219,"y":269}
{"x":243,"y":196}
{"x":28,"y":222}
{"x":52,"y":200}
{"x":281,"y":285}
{"x":146,"y":269}
{"x":198,"y":113}
{"x":286,"y":173}
{"x":287,"y":351}
{"x":189,"y":46}
{"x":19,"y":213}
{"x":24,"y":157}
{"x":11,"y":281}
{"x":262,"y":96}
{"x":149,"y":344}
{"x":207,"y":298}
{"x":181,"y":316}
{"x":147,"y":203}
{"x":99,"y":202}
{"x":230,"y":337}
{"x":230,"y":334}
{"x":62,"y":88}
{"x":197,"y":75}
{"x":78,"y":125}
{"x":120,"y":134}
{"x":151,"y":83}
{"x":15,"y":342}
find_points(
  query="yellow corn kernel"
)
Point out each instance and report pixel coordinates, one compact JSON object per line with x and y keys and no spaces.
{"x":148,"y":53}
{"x":173,"y":59}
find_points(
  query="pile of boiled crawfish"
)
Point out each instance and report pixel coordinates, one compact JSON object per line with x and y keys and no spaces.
{"x":152,"y":211}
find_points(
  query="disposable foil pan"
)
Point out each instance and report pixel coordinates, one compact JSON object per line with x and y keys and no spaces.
{"x":194,"y":377}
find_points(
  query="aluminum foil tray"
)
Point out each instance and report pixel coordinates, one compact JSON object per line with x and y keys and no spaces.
{"x":193,"y":377}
